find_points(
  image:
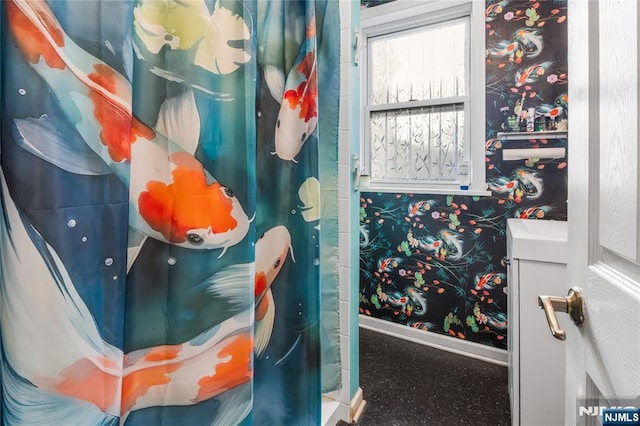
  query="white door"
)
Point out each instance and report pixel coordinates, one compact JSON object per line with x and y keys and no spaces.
{"x":603,"y":355}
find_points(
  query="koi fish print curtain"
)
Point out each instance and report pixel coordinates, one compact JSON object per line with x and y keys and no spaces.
{"x":162,"y":250}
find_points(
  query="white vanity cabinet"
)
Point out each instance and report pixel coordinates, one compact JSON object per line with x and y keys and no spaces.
{"x":537,"y":252}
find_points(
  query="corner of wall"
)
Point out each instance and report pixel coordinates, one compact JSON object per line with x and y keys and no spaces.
{"x":348,"y":206}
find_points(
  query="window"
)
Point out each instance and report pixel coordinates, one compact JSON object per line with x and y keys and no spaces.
{"x":423,"y":95}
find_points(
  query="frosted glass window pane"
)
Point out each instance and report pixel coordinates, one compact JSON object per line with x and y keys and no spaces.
{"x":420,"y":64}
{"x":418,"y":144}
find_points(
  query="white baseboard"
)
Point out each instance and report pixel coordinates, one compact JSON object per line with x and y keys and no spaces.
{"x":438,"y":341}
{"x":357,"y":406}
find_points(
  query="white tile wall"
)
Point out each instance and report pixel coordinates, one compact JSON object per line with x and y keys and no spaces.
{"x":345,"y":348}
{"x":344,"y":119}
{"x":343,"y":215}
{"x":345,"y":398}
{"x":344,"y":46}
{"x":343,"y":141}
{"x":344,"y":176}
{"x":344,"y":67}
{"x":344,"y":318}
{"x":343,"y":276}
{"x":343,"y":249}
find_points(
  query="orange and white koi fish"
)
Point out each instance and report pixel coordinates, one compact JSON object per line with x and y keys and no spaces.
{"x":452,"y":243}
{"x":503,"y":185}
{"x":271,"y":252}
{"x":388,"y":264}
{"x":524,"y":42}
{"x":420,"y":207}
{"x":530,"y":182}
{"x":495,"y":9}
{"x":556,"y":110}
{"x":531,"y":41}
{"x":180,"y":204}
{"x":497,"y":320}
{"x":85,"y":377}
{"x":419,"y":299}
{"x":298,"y":97}
{"x":430,"y":244}
{"x":531,"y":74}
{"x":364,"y":236}
{"x":214,"y":362}
{"x":503,"y":48}
{"x":533,"y":212}
{"x":492,"y":145}
{"x":412,"y":301}
{"x":488,"y":281}
{"x":397,"y":299}
{"x":552,"y":111}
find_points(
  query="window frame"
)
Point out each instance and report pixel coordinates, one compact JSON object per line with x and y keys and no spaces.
{"x":407,"y":15}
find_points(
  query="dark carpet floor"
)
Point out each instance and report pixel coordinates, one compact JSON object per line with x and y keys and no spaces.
{"x":406,"y":383}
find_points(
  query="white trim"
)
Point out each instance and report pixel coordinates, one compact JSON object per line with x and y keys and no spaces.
{"x":357,"y":405}
{"x":477,"y":89}
{"x":379,"y":18}
{"x":437,"y":102}
{"x":333,"y":411}
{"x":438,"y":341}
{"x":330,"y":411}
{"x":441,"y":189}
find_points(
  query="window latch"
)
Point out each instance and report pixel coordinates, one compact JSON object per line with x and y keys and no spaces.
{"x":357,"y":45}
{"x":356,"y":173}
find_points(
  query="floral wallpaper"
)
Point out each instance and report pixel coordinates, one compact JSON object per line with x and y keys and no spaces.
{"x":437,"y":263}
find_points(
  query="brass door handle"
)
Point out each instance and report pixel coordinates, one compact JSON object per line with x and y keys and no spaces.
{"x":572,"y":304}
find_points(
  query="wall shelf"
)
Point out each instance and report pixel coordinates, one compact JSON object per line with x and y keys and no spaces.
{"x":512,"y":136}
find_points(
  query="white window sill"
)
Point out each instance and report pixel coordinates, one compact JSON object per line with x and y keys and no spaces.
{"x":399,"y":189}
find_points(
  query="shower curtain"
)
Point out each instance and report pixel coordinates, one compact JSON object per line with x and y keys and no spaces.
{"x":168,"y":214}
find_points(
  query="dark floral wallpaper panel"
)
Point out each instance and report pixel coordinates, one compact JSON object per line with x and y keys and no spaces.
{"x":438,"y":263}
